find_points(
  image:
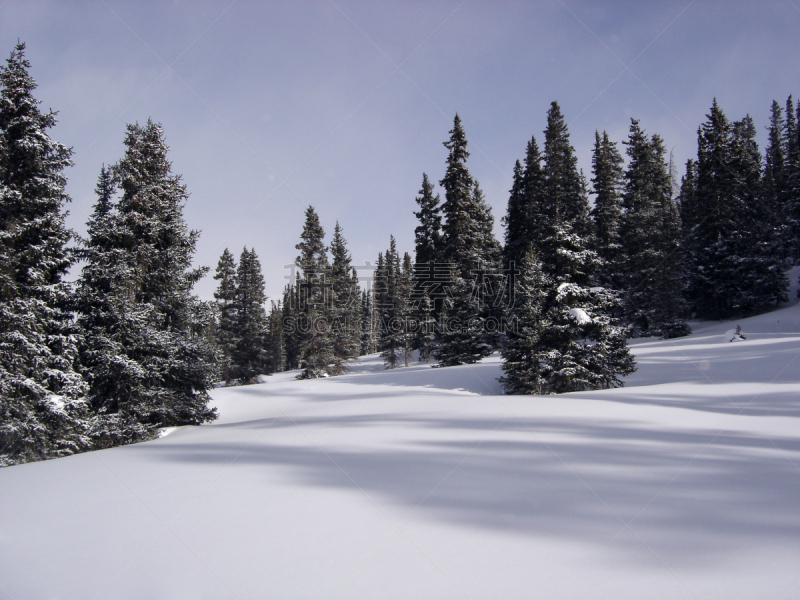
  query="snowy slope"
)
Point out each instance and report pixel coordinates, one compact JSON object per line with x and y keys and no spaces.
{"x":426,"y":483}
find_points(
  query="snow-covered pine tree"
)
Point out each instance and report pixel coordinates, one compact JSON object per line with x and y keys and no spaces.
{"x":42,"y":409}
{"x":522,"y":350}
{"x":249,"y":357}
{"x":607,"y":210}
{"x":158,"y":370}
{"x":580,"y":345}
{"x":734,"y":269}
{"x":472,"y":252}
{"x":650,"y":264}
{"x":346,"y":305}
{"x":225,"y":295}
{"x":314,"y":307}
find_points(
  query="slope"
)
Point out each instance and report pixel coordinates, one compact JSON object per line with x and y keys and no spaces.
{"x":427,"y":483}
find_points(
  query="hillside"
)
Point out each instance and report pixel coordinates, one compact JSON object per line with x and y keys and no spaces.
{"x":427,"y":483}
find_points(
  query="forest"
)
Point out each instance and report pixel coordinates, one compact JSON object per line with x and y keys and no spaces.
{"x":585,"y":264}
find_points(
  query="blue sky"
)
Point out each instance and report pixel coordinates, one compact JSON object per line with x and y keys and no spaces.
{"x":271,"y":106}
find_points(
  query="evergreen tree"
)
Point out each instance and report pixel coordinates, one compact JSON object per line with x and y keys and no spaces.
{"x":428,"y":234}
{"x":792,"y":144}
{"x":276,"y":343}
{"x":346,"y":304}
{"x":428,"y":244}
{"x":249,"y":357}
{"x":42,"y":411}
{"x":462,"y":337}
{"x":225,"y":296}
{"x":290,"y":316}
{"x":369,"y":343}
{"x":522,"y":351}
{"x":516,"y":221}
{"x":650,"y":232}
{"x":734,"y":268}
{"x":425,"y":334}
{"x":607,"y":185}
{"x":776,"y":182}
{"x":391,"y":307}
{"x":579,"y":345}
{"x":315,"y":300}
{"x":567,"y":206}
{"x":157,"y":370}
{"x":472,"y":252}
{"x":404,"y":308}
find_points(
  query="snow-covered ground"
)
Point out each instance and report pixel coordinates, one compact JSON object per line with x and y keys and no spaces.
{"x":427,"y":483}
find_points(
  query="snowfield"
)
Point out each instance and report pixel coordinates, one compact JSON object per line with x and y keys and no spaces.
{"x":428,"y":483}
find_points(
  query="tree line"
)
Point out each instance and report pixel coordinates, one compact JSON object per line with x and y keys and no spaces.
{"x":128,"y":348}
{"x":573,"y":280}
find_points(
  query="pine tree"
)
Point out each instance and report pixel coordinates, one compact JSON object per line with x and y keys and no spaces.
{"x":225,"y":296}
{"x":276,"y":344}
{"x":158,"y":369}
{"x":607,"y":210}
{"x":522,"y":351}
{"x":650,"y":232}
{"x":249,"y":357}
{"x":425,"y":334}
{"x":290,"y":316}
{"x":579,"y":345}
{"x":346,"y":304}
{"x":472,"y":252}
{"x":776,"y":183}
{"x":369,"y":343}
{"x":734,"y":269}
{"x":315,"y":345}
{"x":428,"y":234}
{"x":390,"y":307}
{"x":42,"y":409}
{"x":428,"y":244}
{"x":404,"y":307}
{"x":792,"y":144}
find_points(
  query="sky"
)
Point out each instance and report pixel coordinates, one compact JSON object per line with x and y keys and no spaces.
{"x":269,"y":107}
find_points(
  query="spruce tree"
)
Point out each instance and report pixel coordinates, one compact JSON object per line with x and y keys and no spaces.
{"x":734,"y":269}
{"x":315,"y":346}
{"x":607,"y":210}
{"x":428,"y":234}
{"x":522,"y":352}
{"x":157,"y":370}
{"x":580,"y":345}
{"x":346,"y":304}
{"x":249,"y":357}
{"x":290,"y":316}
{"x":391,"y":306}
{"x":276,"y":345}
{"x":225,"y":296}
{"x":776,"y":182}
{"x":650,"y":232}
{"x":369,"y":343}
{"x":42,"y":409}
{"x":473,"y":255}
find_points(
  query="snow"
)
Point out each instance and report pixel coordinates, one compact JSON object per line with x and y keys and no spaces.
{"x":579,"y":316}
{"x":427,"y":483}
